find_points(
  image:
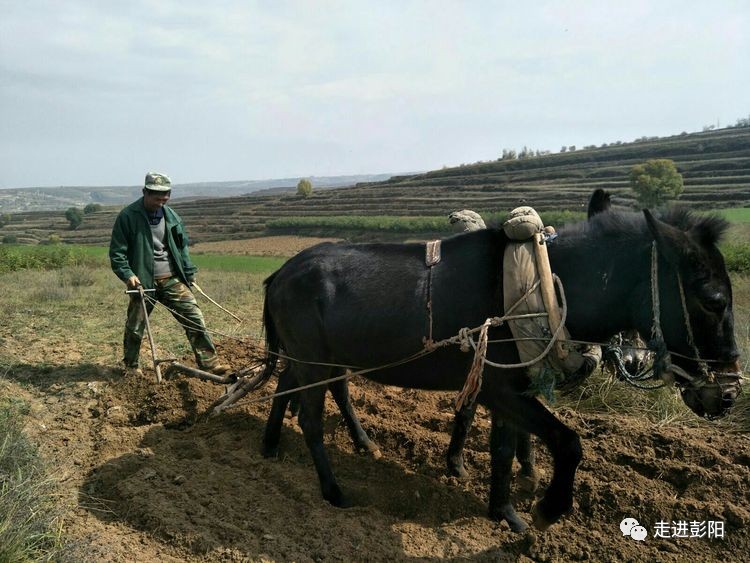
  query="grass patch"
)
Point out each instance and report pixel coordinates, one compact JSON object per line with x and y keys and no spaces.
{"x":735,"y":214}
{"x":30,"y":508}
{"x":41,"y":312}
{"x":739,"y":418}
{"x":736,"y":256}
{"x":602,"y":393}
{"x":264,"y":265}
{"x":77,"y":276}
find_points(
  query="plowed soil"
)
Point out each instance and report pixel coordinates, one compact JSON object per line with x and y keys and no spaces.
{"x":151,"y":481}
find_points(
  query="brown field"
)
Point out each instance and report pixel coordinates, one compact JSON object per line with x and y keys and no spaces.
{"x":286,"y":245}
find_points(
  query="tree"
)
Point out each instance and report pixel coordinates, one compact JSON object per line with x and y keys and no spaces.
{"x":91,"y":208}
{"x":655,"y":182}
{"x":74,"y":217}
{"x":304,"y":187}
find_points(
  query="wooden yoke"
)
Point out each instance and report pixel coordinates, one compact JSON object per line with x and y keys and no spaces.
{"x":547,"y":288}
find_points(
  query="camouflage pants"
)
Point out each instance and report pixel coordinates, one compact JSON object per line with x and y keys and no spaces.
{"x":178,"y":297}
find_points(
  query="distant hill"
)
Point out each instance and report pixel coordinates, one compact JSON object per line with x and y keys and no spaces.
{"x":14,"y":200}
{"x":715,"y":166}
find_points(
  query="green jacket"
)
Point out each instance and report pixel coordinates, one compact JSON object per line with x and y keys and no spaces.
{"x":131,"y":249}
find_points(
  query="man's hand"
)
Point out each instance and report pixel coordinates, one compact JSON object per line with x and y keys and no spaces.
{"x":132,"y":282}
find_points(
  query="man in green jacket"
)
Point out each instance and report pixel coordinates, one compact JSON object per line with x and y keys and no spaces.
{"x":149,"y":248}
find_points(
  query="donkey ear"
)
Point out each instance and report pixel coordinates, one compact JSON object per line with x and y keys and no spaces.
{"x":671,"y":241}
{"x":599,"y":202}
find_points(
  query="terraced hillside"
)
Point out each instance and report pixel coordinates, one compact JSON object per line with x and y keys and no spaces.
{"x":715,"y":166}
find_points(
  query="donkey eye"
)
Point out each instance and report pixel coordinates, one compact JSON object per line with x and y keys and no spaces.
{"x":715,"y":302}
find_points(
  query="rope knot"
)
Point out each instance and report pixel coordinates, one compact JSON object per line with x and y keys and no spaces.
{"x":464,"y":337}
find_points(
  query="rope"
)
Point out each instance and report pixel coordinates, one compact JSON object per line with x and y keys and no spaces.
{"x":463,"y":338}
{"x":656,"y":333}
{"x":474,"y":380}
{"x":691,"y":339}
{"x":552,"y":340}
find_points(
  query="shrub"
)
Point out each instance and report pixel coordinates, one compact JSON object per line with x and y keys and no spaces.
{"x":10,"y":239}
{"x":304,"y":187}
{"x":92,"y":208}
{"x":74,"y":217}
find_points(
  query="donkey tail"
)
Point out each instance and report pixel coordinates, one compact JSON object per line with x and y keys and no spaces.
{"x":273,"y":345}
{"x":273,"y":342}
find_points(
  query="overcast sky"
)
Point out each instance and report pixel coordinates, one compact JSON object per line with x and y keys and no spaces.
{"x":99,"y":92}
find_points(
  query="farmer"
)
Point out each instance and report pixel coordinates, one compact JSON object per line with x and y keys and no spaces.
{"x":149,"y":248}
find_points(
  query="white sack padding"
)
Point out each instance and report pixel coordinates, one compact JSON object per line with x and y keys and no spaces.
{"x":519,"y":275}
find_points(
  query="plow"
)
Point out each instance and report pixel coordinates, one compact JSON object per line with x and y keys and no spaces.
{"x":238,"y":383}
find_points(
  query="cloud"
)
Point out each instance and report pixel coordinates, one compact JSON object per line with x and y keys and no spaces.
{"x":262,"y":89}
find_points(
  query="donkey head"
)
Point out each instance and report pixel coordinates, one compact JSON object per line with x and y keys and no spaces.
{"x":696,"y":311}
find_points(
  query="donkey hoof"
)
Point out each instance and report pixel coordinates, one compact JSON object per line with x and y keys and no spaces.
{"x":372,"y":449}
{"x":344,"y":502}
{"x":507,"y":513}
{"x":338,"y":499}
{"x":541,"y":521}
{"x":269,"y":451}
{"x":458,"y":470}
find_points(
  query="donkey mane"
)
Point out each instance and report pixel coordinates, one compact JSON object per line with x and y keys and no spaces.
{"x":631,"y":228}
{"x":707,"y":229}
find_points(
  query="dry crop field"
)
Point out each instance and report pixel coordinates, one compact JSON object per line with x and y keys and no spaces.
{"x":144,"y":478}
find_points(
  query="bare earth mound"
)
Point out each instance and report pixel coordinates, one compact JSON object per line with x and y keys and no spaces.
{"x":154,"y":482}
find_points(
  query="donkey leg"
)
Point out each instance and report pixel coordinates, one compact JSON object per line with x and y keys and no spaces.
{"x":311,"y":420}
{"x":272,"y":434}
{"x":502,"y":450}
{"x":563,"y":444}
{"x":340,"y":392}
{"x":528,"y":479}
{"x":294,"y":404}
{"x":461,"y":426}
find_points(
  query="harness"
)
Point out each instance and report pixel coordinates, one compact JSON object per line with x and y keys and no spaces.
{"x":534,"y":317}
{"x":531,"y":311}
{"x":662,"y":363}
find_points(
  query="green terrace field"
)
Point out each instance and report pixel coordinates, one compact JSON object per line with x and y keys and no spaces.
{"x":737,"y":215}
{"x":715,"y":166}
